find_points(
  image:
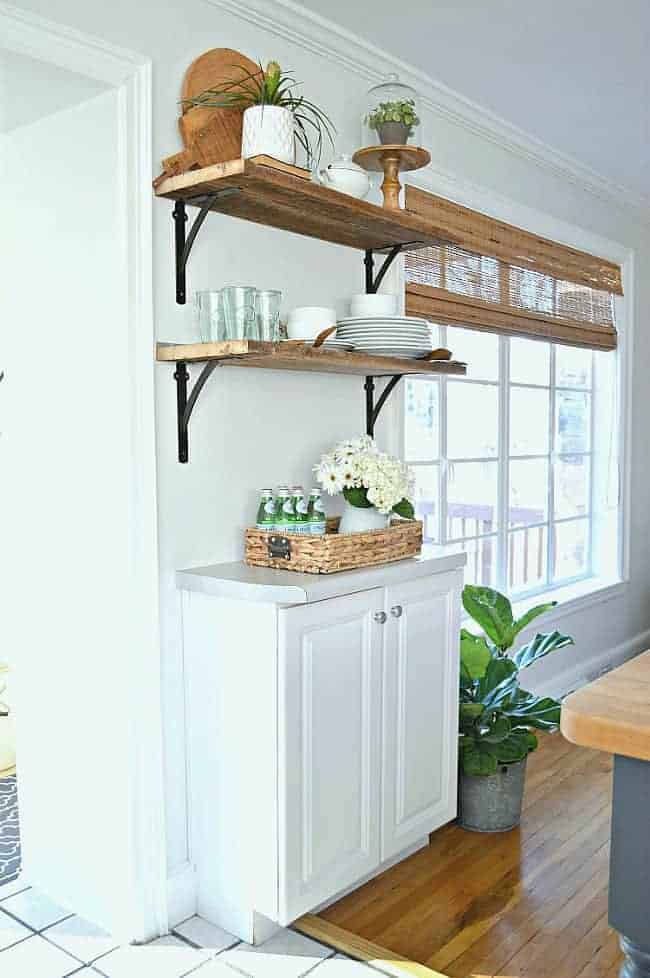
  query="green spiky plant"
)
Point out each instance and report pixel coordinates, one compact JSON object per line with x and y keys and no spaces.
{"x":272,"y":86}
{"x":496,"y":714}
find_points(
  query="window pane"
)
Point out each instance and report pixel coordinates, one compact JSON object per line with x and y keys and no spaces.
{"x":572,"y":485}
{"x":572,"y":422}
{"x":471,"y":499}
{"x":573,"y":367}
{"x":421,"y":419}
{"x":527,"y":558}
{"x":528,"y":492}
{"x":427,"y":499}
{"x":530,"y":361}
{"x":480,"y":351}
{"x":472,"y":420}
{"x":481,"y":564}
{"x":571,"y":549}
{"x":528,"y":421}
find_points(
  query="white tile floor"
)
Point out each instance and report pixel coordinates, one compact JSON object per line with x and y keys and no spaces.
{"x":38,"y":939}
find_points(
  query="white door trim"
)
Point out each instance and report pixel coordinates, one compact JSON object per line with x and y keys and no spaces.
{"x":26,"y":33}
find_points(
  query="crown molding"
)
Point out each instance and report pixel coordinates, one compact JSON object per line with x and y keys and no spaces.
{"x":310,"y":31}
{"x":27,"y":33}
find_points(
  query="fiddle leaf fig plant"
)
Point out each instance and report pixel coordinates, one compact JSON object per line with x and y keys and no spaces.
{"x":495,"y":713}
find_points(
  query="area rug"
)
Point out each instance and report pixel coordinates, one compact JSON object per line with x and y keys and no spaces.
{"x":9,"y":830}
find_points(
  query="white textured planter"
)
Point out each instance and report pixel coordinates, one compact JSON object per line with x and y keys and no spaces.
{"x":356,"y":519}
{"x":268,"y":131}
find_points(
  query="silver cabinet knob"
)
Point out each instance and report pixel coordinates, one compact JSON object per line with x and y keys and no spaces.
{"x":396,"y":611}
{"x":380,"y":617}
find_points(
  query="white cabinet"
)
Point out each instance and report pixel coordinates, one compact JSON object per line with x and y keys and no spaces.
{"x":329,"y":741}
{"x":322,"y":715}
{"x":420,"y":683}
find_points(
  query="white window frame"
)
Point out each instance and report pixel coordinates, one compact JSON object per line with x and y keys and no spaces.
{"x":586,"y":591}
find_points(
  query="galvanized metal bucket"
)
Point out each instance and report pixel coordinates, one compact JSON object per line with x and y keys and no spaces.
{"x":492,"y":803}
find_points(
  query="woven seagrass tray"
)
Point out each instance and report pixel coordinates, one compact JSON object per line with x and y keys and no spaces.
{"x":332,"y":551}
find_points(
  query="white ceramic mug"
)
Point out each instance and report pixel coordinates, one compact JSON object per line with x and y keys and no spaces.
{"x":306,"y":322}
{"x":374,"y":304}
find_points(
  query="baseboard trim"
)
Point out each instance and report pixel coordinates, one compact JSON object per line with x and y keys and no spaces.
{"x":586,"y":671}
{"x":357,"y":947}
{"x":181,"y":894}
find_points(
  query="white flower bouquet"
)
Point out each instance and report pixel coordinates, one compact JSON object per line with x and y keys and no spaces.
{"x":367,"y":477}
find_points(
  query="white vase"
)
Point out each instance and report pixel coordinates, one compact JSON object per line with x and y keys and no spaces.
{"x":358,"y":519}
{"x":268,"y":131}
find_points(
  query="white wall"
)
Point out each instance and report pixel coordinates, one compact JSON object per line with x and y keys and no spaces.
{"x":66,"y":546}
{"x":254,"y":428}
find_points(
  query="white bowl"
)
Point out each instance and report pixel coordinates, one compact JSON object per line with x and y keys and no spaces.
{"x":306,"y":322}
{"x":375,"y":304}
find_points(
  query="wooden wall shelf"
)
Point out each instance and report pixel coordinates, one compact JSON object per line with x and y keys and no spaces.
{"x":266,"y":195}
{"x":281,"y":356}
{"x":262,"y":193}
{"x":287,"y":356}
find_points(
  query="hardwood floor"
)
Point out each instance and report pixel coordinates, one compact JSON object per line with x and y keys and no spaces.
{"x":531,"y":903}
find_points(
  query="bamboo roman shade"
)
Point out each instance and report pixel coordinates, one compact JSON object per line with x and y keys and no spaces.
{"x":485,"y":274}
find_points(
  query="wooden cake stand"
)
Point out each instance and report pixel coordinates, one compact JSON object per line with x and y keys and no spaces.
{"x":390,"y":160}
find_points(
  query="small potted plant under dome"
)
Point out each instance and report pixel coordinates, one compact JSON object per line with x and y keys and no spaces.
{"x":392,"y":116}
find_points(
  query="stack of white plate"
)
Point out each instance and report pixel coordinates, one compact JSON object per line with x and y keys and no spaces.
{"x":394,"y":336}
{"x":334,"y":343}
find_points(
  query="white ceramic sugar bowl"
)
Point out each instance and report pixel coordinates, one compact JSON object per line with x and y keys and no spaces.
{"x":345,"y":176}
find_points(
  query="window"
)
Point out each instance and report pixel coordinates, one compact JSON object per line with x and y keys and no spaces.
{"x":517,"y":461}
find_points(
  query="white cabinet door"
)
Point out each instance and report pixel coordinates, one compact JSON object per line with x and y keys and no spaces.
{"x":329,"y":715}
{"x":420,"y":703}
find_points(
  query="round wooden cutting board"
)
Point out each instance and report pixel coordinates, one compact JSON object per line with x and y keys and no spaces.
{"x":213,"y":135}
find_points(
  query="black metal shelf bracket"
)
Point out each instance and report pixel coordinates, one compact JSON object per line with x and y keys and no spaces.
{"x":373,"y":282}
{"x":185,"y":404}
{"x":372,"y":409}
{"x":183,"y":245}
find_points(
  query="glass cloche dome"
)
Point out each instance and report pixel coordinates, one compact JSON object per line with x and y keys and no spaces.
{"x":392,"y":115}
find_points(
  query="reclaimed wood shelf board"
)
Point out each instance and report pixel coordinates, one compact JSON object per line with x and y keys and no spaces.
{"x":278,"y":356}
{"x":266,"y":195}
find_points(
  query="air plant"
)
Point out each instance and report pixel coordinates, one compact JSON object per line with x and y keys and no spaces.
{"x":272,"y":86}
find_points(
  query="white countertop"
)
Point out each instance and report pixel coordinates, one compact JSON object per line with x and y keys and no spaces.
{"x":238,"y":580}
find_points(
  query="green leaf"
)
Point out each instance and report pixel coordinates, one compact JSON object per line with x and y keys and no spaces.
{"x":530,"y":615}
{"x":513,"y":748}
{"x":492,"y":611}
{"x":475,"y":655}
{"x":471,"y":711}
{"x":498,"y":731}
{"x":532,"y":741}
{"x":540,"y":646}
{"x":479,"y":761}
{"x":498,"y":672}
{"x":404,"y":508}
{"x":541,"y":712}
{"x":357,"y":497}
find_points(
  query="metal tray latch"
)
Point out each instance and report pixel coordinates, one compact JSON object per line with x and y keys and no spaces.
{"x":279,"y":547}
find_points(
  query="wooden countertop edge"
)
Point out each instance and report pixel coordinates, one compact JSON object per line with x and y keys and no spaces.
{"x":601,"y":733}
{"x":612,"y":714}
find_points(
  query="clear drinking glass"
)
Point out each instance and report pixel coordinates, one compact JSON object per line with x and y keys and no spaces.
{"x":238,"y":305}
{"x":267,"y":314}
{"x":208,"y":316}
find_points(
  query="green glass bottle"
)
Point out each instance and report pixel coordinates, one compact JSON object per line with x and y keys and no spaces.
{"x":282,"y":508}
{"x":316,"y":524}
{"x":266,"y":511}
{"x":300,"y":515}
